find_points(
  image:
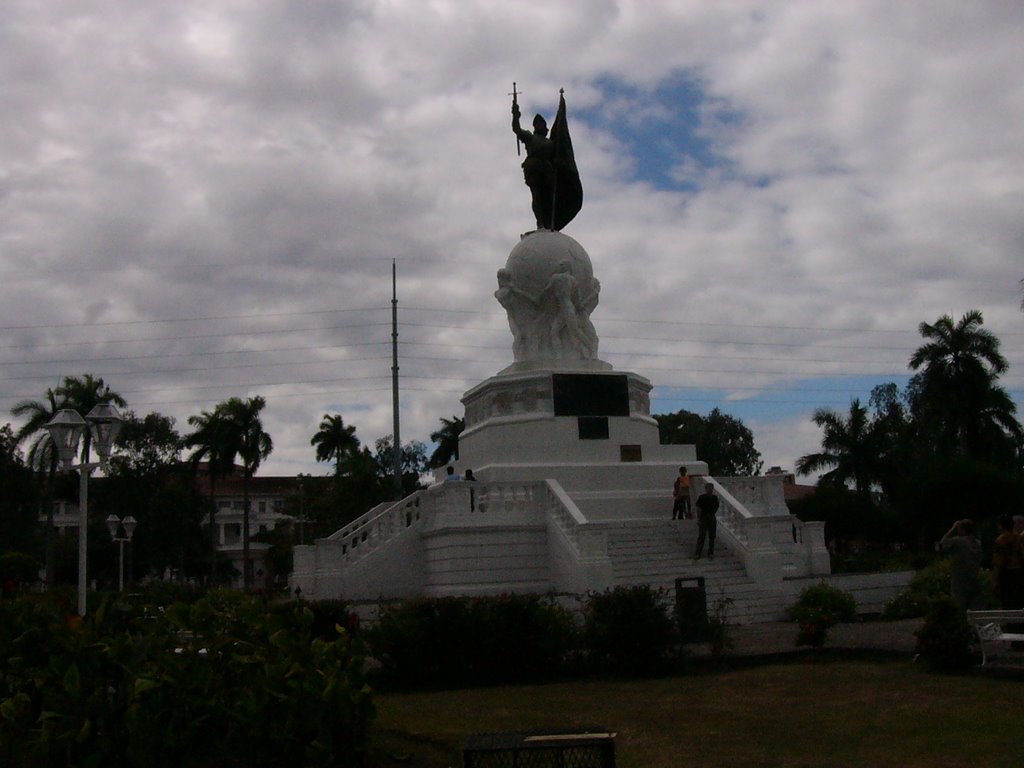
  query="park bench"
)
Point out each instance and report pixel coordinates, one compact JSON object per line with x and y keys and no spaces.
{"x":578,"y":748}
{"x":995,"y":627}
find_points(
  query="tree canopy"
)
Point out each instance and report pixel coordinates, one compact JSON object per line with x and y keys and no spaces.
{"x":335,"y":441}
{"x":447,"y":440}
{"x":949,"y":444}
{"x":956,"y":397}
{"x":723,"y":441}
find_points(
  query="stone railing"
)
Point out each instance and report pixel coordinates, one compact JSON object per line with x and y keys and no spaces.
{"x":761,"y":496}
{"x":430,"y":506}
{"x":375,"y":528}
{"x":771,"y":542}
{"x":505,"y":498}
{"x":587,"y":544}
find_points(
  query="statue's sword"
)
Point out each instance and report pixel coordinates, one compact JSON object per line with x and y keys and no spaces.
{"x":515,"y":103}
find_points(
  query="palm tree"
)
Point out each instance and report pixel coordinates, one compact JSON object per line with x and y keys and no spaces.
{"x":246,"y":439}
{"x":447,"y":440}
{"x":83,"y":394}
{"x":209,"y":442}
{"x":335,"y":442}
{"x":956,"y":388}
{"x":42,"y":457}
{"x":851,"y":446}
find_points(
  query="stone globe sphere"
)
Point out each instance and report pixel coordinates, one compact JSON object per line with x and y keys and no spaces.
{"x":538,"y":255}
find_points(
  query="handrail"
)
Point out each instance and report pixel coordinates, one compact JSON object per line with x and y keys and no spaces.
{"x":565,"y":513}
{"x":381,"y":524}
{"x":352,"y":525}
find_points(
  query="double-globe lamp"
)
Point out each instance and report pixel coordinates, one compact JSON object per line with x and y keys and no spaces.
{"x":66,"y":429}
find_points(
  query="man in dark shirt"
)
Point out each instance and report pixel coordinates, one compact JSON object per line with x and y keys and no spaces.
{"x":707,"y":522}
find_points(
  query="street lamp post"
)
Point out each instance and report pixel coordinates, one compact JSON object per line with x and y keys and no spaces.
{"x":66,"y":429}
{"x":128,"y":524}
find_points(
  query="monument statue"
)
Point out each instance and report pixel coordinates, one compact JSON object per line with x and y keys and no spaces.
{"x":550,"y":168}
{"x":547,"y":287}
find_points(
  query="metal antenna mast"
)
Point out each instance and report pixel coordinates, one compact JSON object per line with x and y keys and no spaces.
{"x":396,"y":455}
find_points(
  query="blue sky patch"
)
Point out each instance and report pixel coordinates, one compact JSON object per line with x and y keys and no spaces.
{"x":778,"y":403}
{"x":662,"y":130}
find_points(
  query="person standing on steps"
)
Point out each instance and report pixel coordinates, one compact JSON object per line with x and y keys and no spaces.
{"x":707,"y":520}
{"x":681,"y":496}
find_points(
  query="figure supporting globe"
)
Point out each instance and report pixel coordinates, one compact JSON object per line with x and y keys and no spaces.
{"x":549,"y":291}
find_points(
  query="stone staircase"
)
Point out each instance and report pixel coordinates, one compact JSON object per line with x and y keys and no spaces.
{"x":659,"y":551}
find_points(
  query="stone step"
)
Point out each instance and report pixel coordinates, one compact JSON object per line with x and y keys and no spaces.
{"x":657,"y":552}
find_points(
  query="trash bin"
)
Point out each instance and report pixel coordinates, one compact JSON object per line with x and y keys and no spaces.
{"x":578,"y":748}
{"x":692,"y":609}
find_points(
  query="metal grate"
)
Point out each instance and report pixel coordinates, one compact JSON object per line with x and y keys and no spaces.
{"x":579,"y":748}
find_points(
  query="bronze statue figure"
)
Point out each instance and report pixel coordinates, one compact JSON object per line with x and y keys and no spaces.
{"x":550,"y":168}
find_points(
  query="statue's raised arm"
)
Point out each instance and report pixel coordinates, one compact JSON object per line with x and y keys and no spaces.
{"x":550,"y":168}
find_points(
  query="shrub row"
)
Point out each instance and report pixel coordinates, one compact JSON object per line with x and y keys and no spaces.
{"x":458,"y":641}
{"x":220,"y":681}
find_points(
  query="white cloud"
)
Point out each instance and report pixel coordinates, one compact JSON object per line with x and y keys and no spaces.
{"x":194,"y":196}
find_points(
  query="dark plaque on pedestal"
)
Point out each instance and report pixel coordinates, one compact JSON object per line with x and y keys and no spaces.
{"x":589,"y":394}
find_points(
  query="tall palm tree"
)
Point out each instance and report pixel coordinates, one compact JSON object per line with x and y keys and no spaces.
{"x":209,"y":441}
{"x":83,"y":393}
{"x":42,"y":457}
{"x":850,"y":445}
{"x":447,"y":441}
{"x":248,"y":441}
{"x":957,"y":385}
{"x":335,"y":441}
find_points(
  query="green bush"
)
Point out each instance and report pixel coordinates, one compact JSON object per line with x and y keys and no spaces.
{"x":930,"y":585}
{"x":328,"y":616}
{"x":423,"y":642}
{"x":944,"y":640}
{"x":456,"y":641}
{"x":219,"y":682}
{"x":926,"y":587}
{"x":525,"y":638}
{"x":819,"y":608}
{"x":628,"y":629}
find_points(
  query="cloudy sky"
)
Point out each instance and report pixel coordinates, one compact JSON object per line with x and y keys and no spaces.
{"x":201,"y":200}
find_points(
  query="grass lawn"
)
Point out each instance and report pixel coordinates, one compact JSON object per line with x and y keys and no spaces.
{"x":800,"y":713}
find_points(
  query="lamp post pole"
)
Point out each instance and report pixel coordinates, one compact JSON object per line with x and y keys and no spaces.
{"x":66,"y":428}
{"x":84,"y":469}
{"x":128,"y":524}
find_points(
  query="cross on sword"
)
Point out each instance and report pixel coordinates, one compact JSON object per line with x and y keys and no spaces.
{"x":515,"y":103}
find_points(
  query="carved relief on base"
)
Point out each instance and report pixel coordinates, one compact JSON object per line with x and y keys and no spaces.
{"x":511,"y":398}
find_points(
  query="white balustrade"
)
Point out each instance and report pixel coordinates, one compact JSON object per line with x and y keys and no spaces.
{"x":767,"y":537}
{"x":770,"y":543}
